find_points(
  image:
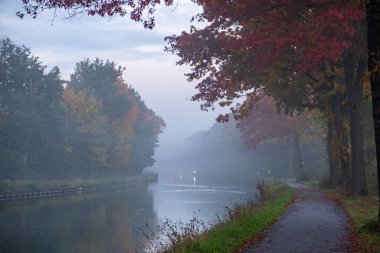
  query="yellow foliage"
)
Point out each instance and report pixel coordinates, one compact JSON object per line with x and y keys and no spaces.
{"x":85,"y":111}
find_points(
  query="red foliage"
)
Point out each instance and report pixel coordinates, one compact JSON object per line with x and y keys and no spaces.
{"x":243,"y":39}
{"x":265,"y":122}
{"x":136,"y":8}
{"x":320,"y":30}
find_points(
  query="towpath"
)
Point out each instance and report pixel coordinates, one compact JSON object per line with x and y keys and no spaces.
{"x":311,"y":224}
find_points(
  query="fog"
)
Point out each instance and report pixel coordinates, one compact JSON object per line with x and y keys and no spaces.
{"x":105,"y":135}
{"x":218,"y":155}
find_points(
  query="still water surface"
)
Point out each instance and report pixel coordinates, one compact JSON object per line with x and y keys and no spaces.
{"x":109,"y":221}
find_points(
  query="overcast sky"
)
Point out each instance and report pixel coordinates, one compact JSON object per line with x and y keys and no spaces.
{"x":150,"y":70}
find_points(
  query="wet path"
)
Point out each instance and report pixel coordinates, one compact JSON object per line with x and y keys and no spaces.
{"x":311,"y":224}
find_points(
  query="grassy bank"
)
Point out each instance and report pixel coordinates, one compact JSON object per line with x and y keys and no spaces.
{"x":363,"y":214}
{"x":242,"y":223}
{"x":38,"y":185}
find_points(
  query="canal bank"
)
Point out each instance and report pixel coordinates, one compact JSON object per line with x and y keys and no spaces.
{"x":18,"y":190}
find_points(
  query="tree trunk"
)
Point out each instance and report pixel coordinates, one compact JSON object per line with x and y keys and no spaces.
{"x":295,"y":156}
{"x":332,"y":153}
{"x":373,"y":40}
{"x":337,"y":113}
{"x":354,"y":88}
{"x":290,"y":159}
{"x":298,"y":154}
{"x":358,"y":182}
{"x":25,"y":155}
{"x":341,"y":114}
{"x":344,"y":154}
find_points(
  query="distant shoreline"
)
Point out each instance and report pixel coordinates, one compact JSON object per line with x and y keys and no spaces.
{"x":22,"y":190}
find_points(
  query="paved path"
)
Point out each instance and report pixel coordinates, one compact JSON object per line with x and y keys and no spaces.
{"x":312,"y":224}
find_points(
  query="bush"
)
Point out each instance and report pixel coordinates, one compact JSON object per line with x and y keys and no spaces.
{"x":262,"y":189}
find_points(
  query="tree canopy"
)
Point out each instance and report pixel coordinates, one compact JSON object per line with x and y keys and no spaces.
{"x":94,"y":125}
{"x":242,"y":41}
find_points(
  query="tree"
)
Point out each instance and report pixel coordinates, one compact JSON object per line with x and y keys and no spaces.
{"x":139,"y":10}
{"x":99,"y":79}
{"x":146,"y":127}
{"x":30,"y":133}
{"x":264,"y":123}
{"x":322,"y":89}
{"x":86,"y":145}
{"x":261,"y":33}
{"x":131,"y":129}
{"x":373,"y":40}
{"x":233,"y":56}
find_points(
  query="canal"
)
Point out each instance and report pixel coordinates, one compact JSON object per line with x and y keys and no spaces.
{"x":111,"y":221}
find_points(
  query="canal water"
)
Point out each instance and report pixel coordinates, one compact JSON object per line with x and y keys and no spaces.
{"x":111,"y":221}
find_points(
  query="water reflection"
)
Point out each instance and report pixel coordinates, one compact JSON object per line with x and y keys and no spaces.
{"x":110,"y":221}
{"x":96,"y":222}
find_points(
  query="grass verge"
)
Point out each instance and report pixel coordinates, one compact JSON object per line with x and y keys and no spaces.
{"x":243,"y":222}
{"x":363,"y":215}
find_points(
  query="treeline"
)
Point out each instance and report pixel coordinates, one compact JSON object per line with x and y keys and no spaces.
{"x":306,"y":139}
{"x":221,"y":154}
{"x":93,"y":125}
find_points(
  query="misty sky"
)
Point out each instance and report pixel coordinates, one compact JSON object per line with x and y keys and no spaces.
{"x":150,"y":70}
